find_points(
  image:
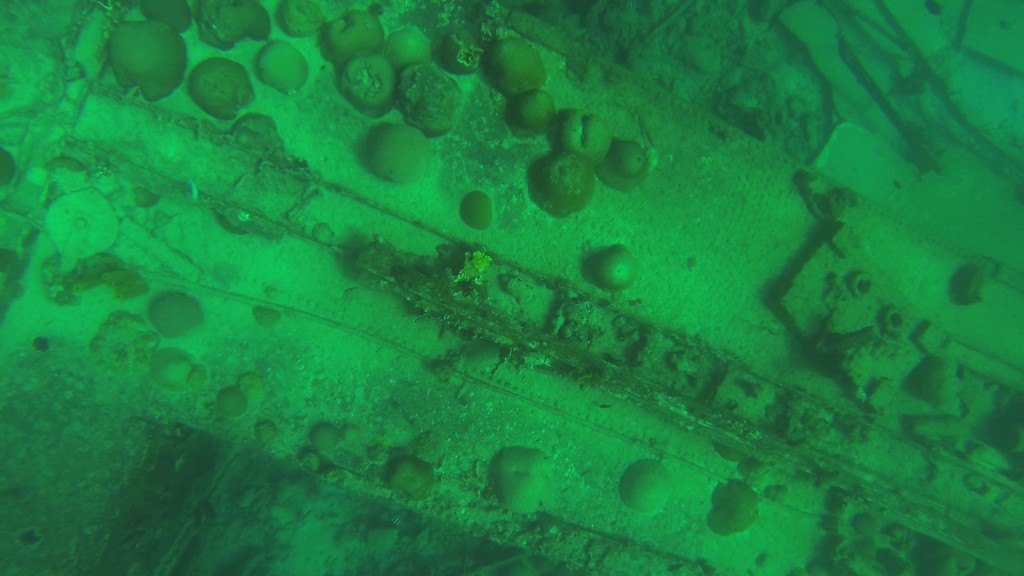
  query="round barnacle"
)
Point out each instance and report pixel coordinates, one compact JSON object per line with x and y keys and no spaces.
{"x":175,"y":13}
{"x":223,"y":23}
{"x":367,"y":81}
{"x":252,"y":385}
{"x":174,"y":314}
{"x":232,"y":402}
{"x":282,"y":66}
{"x":409,"y":476}
{"x":645,"y":486}
{"x":891,"y":323}
{"x":429,"y":99}
{"x":323,"y":233}
{"x":257,"y":132}
{"x":407,"y":46}
{"x":325,"y":437}
{"x":220,"y":87}
{"x":299,"y":17}
{"x":459,"y":53}
{"x":397,"y":152}
{"x":172,"y":369}
{"x":515,"y":66}
{"x":358,"y":31}
{"x":561,"y":184}
{"x":734,"y":508}
{"x":585,"y":134}
{"x":265,"y":316}
{"x":477,"y":210}
{"x":530,"y":113}
{"x":520,"y":477}
{"x":149,"y":56}
{"x":613,"y":268}
{"x":625,"y":166}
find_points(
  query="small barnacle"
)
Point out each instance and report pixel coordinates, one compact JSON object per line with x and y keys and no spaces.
{"x":857,"y":283}
{"x":459,"y":53}
{"x":311,"y":460}
{"x":891,"y":323}
{"x":409,"y":476}
{"x":265,"y":432}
